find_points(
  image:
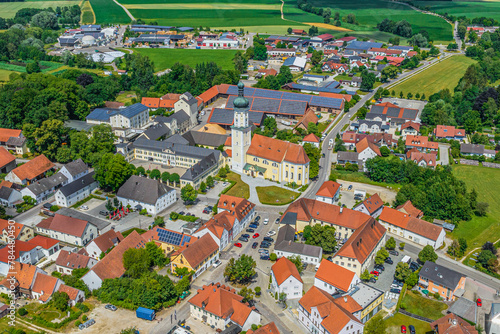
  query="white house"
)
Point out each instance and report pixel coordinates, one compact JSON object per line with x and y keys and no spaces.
{"x":329,"y":192}
{"x":280,"y":52}
{"x":189,"y":105}
{"x":135,"y":116}
{"x":44,"y":188}
{"x":366,"y":150}
{"x":68,"y":261}
{"x":410,"y":128}
{"x":285,"y":278}
{"x":413,"y":229}
{"x":21,"y":251}
{"x":295,"y":64}
{"x":47,"y":247}
{"x":311,"y":139}
{"x":103,"y":243}
{"x":220,"y":228}
{"x":144,"y":193}
{"x":372,"y":206}
{"x":68,"y":229}
{"x":9,"y":196}
{"x":74,"y":170}
{"x":77,"y":190}
{"x":333,"y":278}
{"x":241,"y":208}
{"x":286,"y":247}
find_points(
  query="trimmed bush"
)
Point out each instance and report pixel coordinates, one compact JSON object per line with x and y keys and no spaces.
{"x":22,"y":312}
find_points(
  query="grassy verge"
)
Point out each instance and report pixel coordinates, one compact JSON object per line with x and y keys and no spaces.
{"x":127,"y":232}
{"x":394,"y":324}
{"x":4,"y":75}
{"x":422,"y":306}
{"x":362,"y":178}
{"x":46,"y":65}
{"x":85,"y":200}
{"x":274,"y":195}
{"x":240,"y":189}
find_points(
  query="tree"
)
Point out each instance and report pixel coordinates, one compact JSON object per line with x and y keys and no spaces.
{"x":391,"y":243}
{"x":155,"y":174}
{"x":402,"y":271}
{"x":203,"y":187}
{"x":240,"y":270}
{"x":112,"y":171}
{"x":247,"y":294}
{"x":382,"y":254}
{"x":418,"y":40}
{"x":461,"y":31}
{"x":33,"y":67}
{"x":240,"y":62}
{"x":375,"y":325}
{"x":60,"y":300}
{"x":44,"y":20}
{"x":165,"y":176}
{"x":84,"y":80}
{"x":488,"y":260}
{"x":368,"y":81}
{"x":385,"y":151}
{"x":289,"y":30}
{"x":365,"y":275}
{"x":140,"y":171}
{"x":409,"y":95}
{"x":297,"y":261}
{"x":481,"y":209}
{"x":427,"y":254}
{"x":323,"y":236}
{"x":188,"y":194}
{"x":489,"y":246}
{"x":316,"y":57}
{"x":155,"y":253}
{"x":412,"y":280}
{"x":136,"y":262}
{"x":47,"y":138}
{"x":273,"y":257}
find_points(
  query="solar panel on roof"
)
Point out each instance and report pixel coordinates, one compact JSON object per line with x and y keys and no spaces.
{"x":293,"y":107}
{"x":267,"y":93}
{"x":266,"y":105}
{"x":296,"y":97}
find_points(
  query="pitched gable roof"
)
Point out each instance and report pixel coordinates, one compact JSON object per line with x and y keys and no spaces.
{"x":45,"y":285}
{"x":277,"y":150}
{"x":72,"y":260}
{"x":443,"y":131}
{"x":270,"y":328}
{"x":420,"y":141}
{"x":107,"y":240}
{"x":328,"y":189}
{"x":70,"y":291}
{"x":23,"y":273}
{"x":311,"y":138}
{"x":33,"y":168}
{"x":453,"y":324}
{"x":335,"y":275}
{"x":64,"y":224}
{"x":410,"y":209}
{"x":18,"y":228}
{"x":363,"y":241}
{"x":363,"y":144}
{"x":284,"y":268}
{"x":143,"y":189}
{"x":199,"y":250}
{"x":20,"y":247}
{"x":238,"y":206}
{"x":5,"y":157}
{"x":373,"y":203}
{"x":411,"y":124}
{"x":412,"y":224}
{"x":43,"y":241}
{"x":5,"y":134}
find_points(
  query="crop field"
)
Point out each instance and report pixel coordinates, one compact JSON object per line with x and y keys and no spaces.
{"x":106,"y":11}
{"x":165,"y":58}
{"x":9,"y":9}
{"x":87,"y":14}
{"x":470,"y":9}
{"x":4,"y":75}
{"x":445,"y":74}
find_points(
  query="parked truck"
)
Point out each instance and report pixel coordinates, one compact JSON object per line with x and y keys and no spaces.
{"x":145,"y":313}
{"x":406,"y":259}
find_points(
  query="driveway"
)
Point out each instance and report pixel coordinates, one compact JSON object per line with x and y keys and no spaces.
{"x":444,"y":157}
{"x":386,"y":194}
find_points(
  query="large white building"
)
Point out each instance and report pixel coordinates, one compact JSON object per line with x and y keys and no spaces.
{"x":333,"y":278}
{"x":75,"y":191}
{"x":134,"y":116}
{"x":68,"y":229}
{"x":285,"y":278}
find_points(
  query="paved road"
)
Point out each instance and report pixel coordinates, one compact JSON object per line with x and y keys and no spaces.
{"x":444,"y":157}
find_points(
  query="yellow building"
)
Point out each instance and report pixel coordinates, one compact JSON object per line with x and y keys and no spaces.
{"x":17,"y":231}
{"x":198,"y":256}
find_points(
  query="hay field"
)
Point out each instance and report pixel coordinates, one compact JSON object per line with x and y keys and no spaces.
{"x":9,"y":9}
{"x":469,"y":9}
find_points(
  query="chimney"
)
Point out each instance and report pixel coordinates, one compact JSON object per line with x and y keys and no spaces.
{"x":345,"y":299}
{"x":341,"y":208}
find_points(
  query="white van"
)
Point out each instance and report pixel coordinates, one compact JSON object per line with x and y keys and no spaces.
{"x":406,"y":259}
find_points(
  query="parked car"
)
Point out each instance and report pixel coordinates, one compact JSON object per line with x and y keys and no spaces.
{"x":104,"y":213}
{"x":84,"y":207}
{"x":270,"y":233}
{"x":374,"y":272}
{"x":206,"y":211}
{"x":239,"y":245}
{"x":269,"y":239}
{"x":265,"y":251}
{"x":254,"y":245}
{"x":256,"y":223}
{"x":412,"y":329}
{"x":372,"y":280}
{"x":266,"y":221}
{"x":217,"y":263}
{"x":264,"y":245}
{"x":403,"y":329}
{"x":257,"y":218}
{"x":246,"y":235}
{"x":379,"y":267}
{"x":110,"y":307}
{"x":277,"y":221}
{"x":250,"y":230}
{"x":389,"y":261}
{"x":393,"y":290}
{"x":350,"y":187}
{"x":264,"y":257}
{"x":398,"y":283}
{"x":256,"y":235}
{"x":182,"y":213}
{"x":393,"y":252}
{"x":252,"y":226}
{"x":243,"y":239}
{"x":479,"y":302}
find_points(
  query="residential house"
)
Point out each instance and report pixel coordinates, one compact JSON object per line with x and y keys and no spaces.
{"x":68,"y":261}
{"x":369,"y":298}
{"x":295,"y":64}
{"x":168,"y":240}
{"x":47,"y":247}
{"x":9,"y":229}
{"x":21,"y":251}
{"x":451,"y":324}
{"x":167,"y":101}
{"x":391,"y":113}
{"x":442,"y":280}
{"x":74,"y":170}
{"x":411,"y":228}
{"x":335,"y":67}
{"x":77,"y":190}
{"x":319,"y":312}
{"x":476,"y":150}
{"x":111,"y":266}
{"x":358,"y":252}
{"x":351,"y":138}
{"x":270,"y":328}
{"x":178,"y":122}
{"x":354,"y":81}
{"x":263,"y":73}
{"x":371,"y":206}
{"x":365,"y":126}
{"x":67,"y":229}
{"x":7,"y":161}
{"x":31,"y":171}
{"x":299,"y":32}
{"x":309,"y":117}
{"x":421,"y":143}
{"x":367,"y":150}
{"x":492,"y":321}
{"x":44,"y":188}
{"x":9,"y":197}
{"x":334,"y":279}
{"x":410,"y":128}
{"x":384,"y":139}
{"x":218,"y":305}
{"x":13,"y":140}
{"x":239,"y":207}
{"x":188,"y":104}
{"x":344,"y":157}
{"x":197,"y":256}
{"x":143,"y":193}
{"x":103,"y":243}
{"x":285,"y":278}
{"x":220,"y":228}
{"x":422,"y":159}
{"x":311,"y":139}
{"x":286,"y":247}
{"x":135,"y":116}
{"x":205,"y":139}
{"x":281,"y":52}
{"x":449,"y":132}
{"x":329,"y":192}
{"x":408,"y":208}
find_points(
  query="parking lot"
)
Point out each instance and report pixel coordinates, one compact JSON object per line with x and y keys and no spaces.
{"x":386,"y":277}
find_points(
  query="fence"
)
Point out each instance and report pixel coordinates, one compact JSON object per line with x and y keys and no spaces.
{"x":469,"y":162}
{"x":414,"y":316}
{"x":491,"y":165}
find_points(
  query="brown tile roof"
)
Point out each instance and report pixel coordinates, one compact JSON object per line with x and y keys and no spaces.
{"x":410,"y":209}
{"x":277,"y":150}
{"x":443,"y":131}
{"x":411,"y":124}
{"x":64,"y":224}
{"x":111,"y":266}
{"x":416,"y":156}
{"x":6,"y":184}
{"x":210,"y":93}
{"x":328,"y":189}
{"x":223,"y":302}
{"x":311,"y":138}
{"x":346,"y":97}
{"x":308,"y":209}
{"x":335,"y":275}
{"x":18,"y":228}
{"x":363,"y":144}
{"x":238,"y":206}
{"x":199,"y":250}
{"x":420,"y":141}
{"x":33,"y":168}
{"x":113,"y":104}
{"x":270,"y":328}
{"x":284,"y":268}
{"x":5,"y":157}
{"x":19,"y":248}
{"x":267,"y":72}
{"x":72,"y":260}
{"x":44,"y":242}
{"x":228,"y":141}
{"x":5,"y":134}
{"x":363,"y":241}
{"x":107,"y":240}
{"x":352,"y":137}
{"x":309,"y":117}
{"x":348,"y":303}
{"x":373,"y":203}
{"x":415,"y":225}
{"x":70,"y":291}
{"x":45,"y":285}
{"x":335,"y":317}
{"x":23,"y":273}
{"x":453,"y":324}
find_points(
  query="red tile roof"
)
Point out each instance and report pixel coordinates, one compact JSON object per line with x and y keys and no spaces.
{"x":277,"y":150}
{"x":18,"y":228}
{"x":270,"y":328}
{"x":70,"y":291}
{"x":411,"y":124}
{"x":443,"y":131}
{"x":209,"y":94}
{"x":238,"y":206}
{"x":107,"y":240}
{"x":311,"y":138}
{"x":410,"y":209}
{"x":328,"y":189}
{"x":5,"y":157}
{"x":218,"y":223}
{"x":363,"y":241}
{"x":346,"y":97}
{"x":228,"y":141}
{"x":64,"y":224}
{"x":308,"y":209}
{"x":199,"y":250}
{"x":363,"y":144}
{"x":45,"y":285}
{"x":309,"y":117}
{"x":33,"y":168}
{"x":348,"y":303}
{"x":284,"y":268}
{"x":412,"y":224}
{"x":6,"y":184}
{"x":23,"y":273}
{"x":416,"y":156}
{"x":388,"y":105}
{"x":453,"y":324}
{"x":373,"y":203}
{"x":267,"y":72}
{"x":44,"y":242}
{"x":20,"y":247}
{"x":335,"y":275}
{"x":72,"y":260}
{"x":420,"y":141}
{"x":5,"y":134}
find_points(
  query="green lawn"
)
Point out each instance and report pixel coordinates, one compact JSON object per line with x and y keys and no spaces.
{"x":87,"y":14}
{"x":490,"y":9}
{"x":486,"y":181}
{"x":9,"y":9}
{"x":240,"y":189}
{"x":423,"y":306}
{"x":394,"y":324}
{"x":165,"y":58}
{"x":45,"y":65}
{"x":362,"y":178}
{"x":127,"y":232}
{"x":445,"y":74}
{"x":4,"y":75}
{"x":274,"y":195}
{"x":107,"y":11}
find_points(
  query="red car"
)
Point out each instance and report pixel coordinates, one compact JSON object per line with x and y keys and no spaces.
{"x":256,"y":235}
{"x":403,"y":329}
{"x":239,"y":245}
{"x":374,"y":272}
{"x":479,"y":302}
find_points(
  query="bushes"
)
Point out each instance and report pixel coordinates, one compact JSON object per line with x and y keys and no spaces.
{"x":22,"y":312}
{"x":38,"y":320}
{"x":273,"y":257}
{"x":54,"y":208}
{"x":82,"y":307}
{"x":174,"y":216}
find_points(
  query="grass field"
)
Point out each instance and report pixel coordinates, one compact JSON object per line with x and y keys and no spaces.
{"x":445,"y":74}
{"x":470,"y":9}
{"x":276,"y":195}
{"x":49,"y":66}
{"x":106,"y":11}
{"x":9,"y":9}
{"x":88,"y":16}
{"x":394,"y":324}
{"x":4,"y":75}
{"x":165,"y":58}
{"x":486,"y":181}
{"x":240,"y":189}
{"x":423,"y":306}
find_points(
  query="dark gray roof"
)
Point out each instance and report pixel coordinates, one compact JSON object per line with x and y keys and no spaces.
{"x":5,"y":192}
{"x":78,"y":184}
{"x":189,"y":98}
{"x":347,"y":156}
{"x":298,"y":248}
{"x":226,"y":116}
{"x":179,"y":149}
{"x":133,"y":110}
{"x":472,"y":148}
{"x":16,"y":141}
{"x":199,"y":168}
{"x":47,"y":183}
{"x":104,"y":114}
{"x":76,"y":167}
{"x":205,"y":138}
{"x":369,"y":123}
{"x":156,"y":131}
{"x":285,"y":233}
{"x":364,"y":46}
{"x":464,"y":308}
{"x":440,"y":275}
{"x":290,"y":218}
{"x":143,"y":189}
{"x":180,"y":116}
{"x":370,"y":116}
{"x":99,"y":223}
{"x":177,"y":139}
